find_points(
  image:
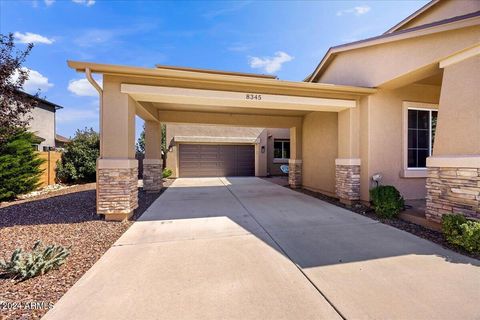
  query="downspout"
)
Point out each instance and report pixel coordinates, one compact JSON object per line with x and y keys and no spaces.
{"x":94,"y":83}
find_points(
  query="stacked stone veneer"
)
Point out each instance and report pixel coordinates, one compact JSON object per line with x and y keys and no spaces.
{"x":347,"y":182}
{"x":453,"y":190}
{"x":295,"y":173}
{"x":152,"y":175}
{"x":117,"y":192}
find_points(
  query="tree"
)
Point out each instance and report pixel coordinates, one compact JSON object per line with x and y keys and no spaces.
{"x":141,"y":142}
{"x":14,"y":104}
{"x":140,"y":146}
{"x":19,"y":165}
{"x":78,"y":162}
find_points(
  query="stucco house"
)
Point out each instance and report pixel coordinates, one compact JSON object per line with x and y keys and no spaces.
{"x":205,"y":151}
{"x":43,"y":124}
{"x":404,"y":104}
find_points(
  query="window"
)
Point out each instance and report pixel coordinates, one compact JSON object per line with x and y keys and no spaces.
{"x":281,"y":149}
{"x":421,"y":134}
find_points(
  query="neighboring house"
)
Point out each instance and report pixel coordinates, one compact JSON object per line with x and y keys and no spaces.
{"x":404,"y":104}
{"x":43,"y":125}
{"x":205,"y":151}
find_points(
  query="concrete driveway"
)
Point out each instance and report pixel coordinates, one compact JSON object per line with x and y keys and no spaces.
{"x":244,"y":248}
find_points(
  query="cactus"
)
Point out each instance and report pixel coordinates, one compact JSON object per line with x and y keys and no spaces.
{"x":25,"y":265}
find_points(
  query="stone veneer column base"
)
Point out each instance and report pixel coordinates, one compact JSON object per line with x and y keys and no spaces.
{"x":295,"y":173}
{"x":152,"y":175}
{"x":453,"y":187}
{"x":117,"y":188}
{"x":347,"y":180}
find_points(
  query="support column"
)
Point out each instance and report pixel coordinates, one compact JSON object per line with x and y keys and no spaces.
{"x":295,"y":161}
{"x":347,"y":165}
{"x":152,"y":164}
{"x":453,"y":183}
{"x":117,"y":168}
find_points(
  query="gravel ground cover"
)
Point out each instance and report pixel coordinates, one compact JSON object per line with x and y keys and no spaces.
{"x":66,"y":217}
{"x":420,"y":231}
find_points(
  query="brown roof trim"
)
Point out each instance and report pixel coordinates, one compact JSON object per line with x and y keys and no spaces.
{"x":372,"y":41}
{"x":56,"y":106}
{"x":61,"y":138}
{"x":231,"y":73}
{"x":412,"y":16}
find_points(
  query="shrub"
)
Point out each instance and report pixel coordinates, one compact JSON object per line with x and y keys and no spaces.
{"x":386,"y":201}
{"x":461,"y":232}
{"x":19,"y":165}
{"x":78,"y":163}
{"x":25,"y":265}
{"x":166,"y":172}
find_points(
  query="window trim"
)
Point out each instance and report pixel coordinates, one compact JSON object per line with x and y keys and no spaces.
{"x":280,"y":160}
{"x":410,"y":105}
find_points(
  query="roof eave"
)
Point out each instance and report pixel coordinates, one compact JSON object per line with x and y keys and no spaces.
{"x":216,"y":78}
{"x":431,"y":28}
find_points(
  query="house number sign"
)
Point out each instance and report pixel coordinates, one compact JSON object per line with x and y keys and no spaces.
{"x":252,"y":96}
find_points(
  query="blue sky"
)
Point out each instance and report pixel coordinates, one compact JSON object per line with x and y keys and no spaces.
{"x":279,"y":37}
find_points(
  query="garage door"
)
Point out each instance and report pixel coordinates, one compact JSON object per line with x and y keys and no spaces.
{"x":200,"y":160}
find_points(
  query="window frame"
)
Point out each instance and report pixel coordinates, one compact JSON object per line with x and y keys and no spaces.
{"x":416,"y":172}
{"x":282,"y":160}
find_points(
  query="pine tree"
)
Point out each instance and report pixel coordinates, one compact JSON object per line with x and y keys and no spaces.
{"x":19,"y":165}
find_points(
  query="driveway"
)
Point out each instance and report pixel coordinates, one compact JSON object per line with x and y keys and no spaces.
{"x":244,"y":248}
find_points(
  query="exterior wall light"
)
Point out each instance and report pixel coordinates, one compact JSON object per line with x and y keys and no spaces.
{"x":263,"y":149}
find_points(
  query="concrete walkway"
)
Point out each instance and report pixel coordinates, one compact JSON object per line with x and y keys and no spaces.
{"x":244,"y":248}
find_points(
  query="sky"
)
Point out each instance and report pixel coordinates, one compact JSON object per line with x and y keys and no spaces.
{"x":284,"y":38}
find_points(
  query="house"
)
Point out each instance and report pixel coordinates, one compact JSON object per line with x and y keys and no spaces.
{"x":404,"y":104}
{"x":43,"y":124}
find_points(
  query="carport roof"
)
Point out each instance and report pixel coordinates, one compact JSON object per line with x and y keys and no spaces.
{"x":217,"y":79}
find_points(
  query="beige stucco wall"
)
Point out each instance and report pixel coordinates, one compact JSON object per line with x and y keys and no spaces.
{"x":443,"y":10}
{"x":375,"y":65}
{"x":43,"y":125}
{"x":385,"y":137}
{"x":320,"y":151}
{"x":458,"y":127}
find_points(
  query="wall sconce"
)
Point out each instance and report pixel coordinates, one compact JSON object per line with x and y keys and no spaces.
{"x":262,"y":149}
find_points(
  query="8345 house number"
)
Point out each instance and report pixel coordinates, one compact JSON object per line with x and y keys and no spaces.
{"x":251,"y":96}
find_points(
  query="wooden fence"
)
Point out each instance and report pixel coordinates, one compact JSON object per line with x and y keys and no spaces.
{"x":49,"y":174}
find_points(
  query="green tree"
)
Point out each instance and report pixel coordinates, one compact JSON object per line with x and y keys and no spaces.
{"x":140,"y":146}
{"x":15,"y":106}
{"x":78,"y":163}
{"x":19,"y":165}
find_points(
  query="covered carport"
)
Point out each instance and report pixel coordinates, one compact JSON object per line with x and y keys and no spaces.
{"x":191,"y":96}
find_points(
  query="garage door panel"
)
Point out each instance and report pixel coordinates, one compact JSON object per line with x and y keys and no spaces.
{"x":216,"y":160}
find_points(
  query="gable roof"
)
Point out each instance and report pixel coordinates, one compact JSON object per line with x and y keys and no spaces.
{"x":422,"y":30}
{"x":40,"y":100}
{"x":412,"y":16}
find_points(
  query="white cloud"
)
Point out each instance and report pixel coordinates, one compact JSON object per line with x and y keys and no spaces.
{"x":36,"y":81}
{"x":358,"y":11}
{"x":71,"y":115}
{"x":270,"y":64}
{"x":83,"y":88}
{"x":88,"y":3}
{"x":49,"y":2}
{"x":30,"y":37}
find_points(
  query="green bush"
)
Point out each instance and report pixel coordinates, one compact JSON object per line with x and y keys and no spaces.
{"x":461,"y":232}
{"x":386,"y":201}
{"x":19,"y":165}
{"x":166,"y":172}
{"x":78,"y":163}
{"x":25,"y":265}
